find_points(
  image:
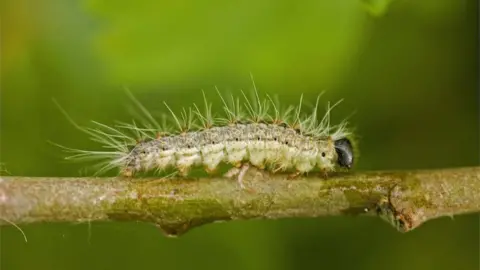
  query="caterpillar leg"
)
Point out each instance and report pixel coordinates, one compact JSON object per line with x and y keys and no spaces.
{"x":210,"y":171}
{"x":277,"y":168}
{"x":294,"y":175}
{"x":324,"y":174}
{"x":127,"y":173}
{"x":183,"y":171}
{"x":239,"y":172}
{"x":233,"y":171}
{"x":242,"y":173}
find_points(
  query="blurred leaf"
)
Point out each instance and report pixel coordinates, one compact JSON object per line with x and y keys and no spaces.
{"x":148,"y":42}
{"x":377,"y":8}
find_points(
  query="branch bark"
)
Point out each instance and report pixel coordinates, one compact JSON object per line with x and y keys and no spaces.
{"x":404,"y":199}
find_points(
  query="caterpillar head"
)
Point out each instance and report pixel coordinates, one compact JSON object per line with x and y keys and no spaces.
{"x":344,"y":150}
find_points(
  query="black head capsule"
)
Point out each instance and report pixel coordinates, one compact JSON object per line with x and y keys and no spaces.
{"x":344,"y":150}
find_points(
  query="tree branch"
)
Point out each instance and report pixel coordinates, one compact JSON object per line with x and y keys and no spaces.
{"x":404,"y":199}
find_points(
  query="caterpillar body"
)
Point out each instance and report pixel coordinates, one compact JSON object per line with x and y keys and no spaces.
{"x":255,"y":132}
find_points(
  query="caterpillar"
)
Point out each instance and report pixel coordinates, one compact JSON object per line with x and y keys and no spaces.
{"x":256,"y":132}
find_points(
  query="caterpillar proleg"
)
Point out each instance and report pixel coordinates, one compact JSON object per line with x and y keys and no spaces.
{"x":252,"y":132}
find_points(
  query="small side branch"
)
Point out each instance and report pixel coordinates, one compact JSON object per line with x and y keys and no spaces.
{"x":404,"y":199}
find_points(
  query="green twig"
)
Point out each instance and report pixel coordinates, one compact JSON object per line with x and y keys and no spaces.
{"x":405,"y":199}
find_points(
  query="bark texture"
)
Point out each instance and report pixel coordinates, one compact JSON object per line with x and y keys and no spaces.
{"x":404,"y":199}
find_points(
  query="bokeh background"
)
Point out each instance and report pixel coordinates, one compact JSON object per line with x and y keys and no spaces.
{"x":407,"y":71}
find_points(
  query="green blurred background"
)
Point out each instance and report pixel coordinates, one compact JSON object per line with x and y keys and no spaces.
{"x":407,"y":70}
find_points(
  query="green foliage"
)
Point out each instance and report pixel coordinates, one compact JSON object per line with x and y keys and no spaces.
{"x":409,"y":76}
{"x":307,"y":40}
{"x":377,"y":7}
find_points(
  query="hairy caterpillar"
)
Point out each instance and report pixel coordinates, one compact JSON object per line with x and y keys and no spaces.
{"x":253,"y":132}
